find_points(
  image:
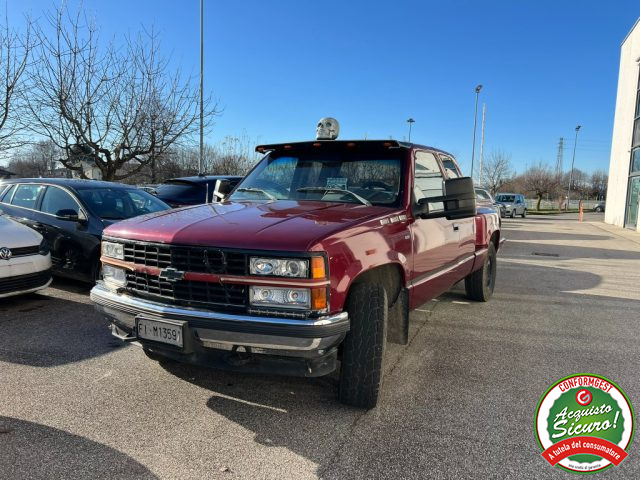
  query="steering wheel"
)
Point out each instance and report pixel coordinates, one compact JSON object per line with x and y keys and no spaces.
{"x":377,"y":184}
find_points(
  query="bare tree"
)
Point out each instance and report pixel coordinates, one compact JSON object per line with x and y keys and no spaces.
{"x":496,"y":170}
{"x":15,"y":50}
{"x":36,"y":160}
{"x":119,"y":109}
{"x":599,"y":181}
{"x":540,"y":180}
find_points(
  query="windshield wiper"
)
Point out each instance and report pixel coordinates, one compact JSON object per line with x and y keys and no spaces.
{"x":256,"y":190}
{"x":362,"y":200}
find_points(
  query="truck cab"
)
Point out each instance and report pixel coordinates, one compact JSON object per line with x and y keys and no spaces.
{"x":312,"y":263}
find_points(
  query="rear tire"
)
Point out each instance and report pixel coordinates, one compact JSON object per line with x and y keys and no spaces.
{"x":479,"y":284}
{"x":363,"y":349}
{"x":513,"y":213}
{"x":524,"y":213}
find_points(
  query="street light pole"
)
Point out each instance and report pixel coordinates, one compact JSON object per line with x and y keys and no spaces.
{"x":573,"y":159}
{"x":475,"y":123}
{"x":484,"y":111}
{"x":411,"y":121}
{"x":201,"y":159}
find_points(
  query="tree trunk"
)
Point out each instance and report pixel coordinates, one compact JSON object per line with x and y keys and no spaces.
{"x":538,"y":204}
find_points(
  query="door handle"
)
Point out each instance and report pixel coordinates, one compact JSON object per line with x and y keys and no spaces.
{"x":456,"y":227}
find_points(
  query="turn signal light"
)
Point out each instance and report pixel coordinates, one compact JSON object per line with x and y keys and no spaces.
{"x":318,"y":299}
{"x":317,"y":268}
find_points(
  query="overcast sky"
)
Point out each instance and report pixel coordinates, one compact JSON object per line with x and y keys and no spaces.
{"x":278,"y":66}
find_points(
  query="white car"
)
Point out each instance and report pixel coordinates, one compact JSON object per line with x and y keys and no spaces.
{"x":25,"y":262}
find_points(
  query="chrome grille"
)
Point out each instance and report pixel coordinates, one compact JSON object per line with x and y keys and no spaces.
{"x":187,"y":292}
{"x":187,"y":258}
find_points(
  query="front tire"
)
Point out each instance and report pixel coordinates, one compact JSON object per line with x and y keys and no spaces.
{"x":363,"y":349}
{"x":479,"y":284}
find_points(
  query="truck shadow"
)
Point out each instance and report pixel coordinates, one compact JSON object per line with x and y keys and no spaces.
{"x":31,"y":450}
{"x":299,"y":414}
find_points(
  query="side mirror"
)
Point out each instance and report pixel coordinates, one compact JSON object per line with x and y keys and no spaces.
{"x":459,"y":201}
{"x":222,"y":189}
{"x":70,"y":215}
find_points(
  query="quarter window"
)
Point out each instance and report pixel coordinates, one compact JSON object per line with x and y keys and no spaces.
{"x":56,"y":200}
{"x":26,"y":195}
{"x":450,"y":167}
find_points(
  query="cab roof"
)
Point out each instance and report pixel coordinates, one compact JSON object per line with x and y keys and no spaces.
{"x":343,"y":144}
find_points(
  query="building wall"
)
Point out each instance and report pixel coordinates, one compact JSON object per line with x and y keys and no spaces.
{"x":623,"y":128}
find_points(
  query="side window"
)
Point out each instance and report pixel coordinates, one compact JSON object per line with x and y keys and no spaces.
{"x":55,"y":200}
{"x":26,"y":195}
{"x":427,"y":176}
{"x":450,"y":167}
{"x":6,"y":196}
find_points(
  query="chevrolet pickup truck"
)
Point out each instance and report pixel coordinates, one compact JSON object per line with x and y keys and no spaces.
{"x":311,"y":264}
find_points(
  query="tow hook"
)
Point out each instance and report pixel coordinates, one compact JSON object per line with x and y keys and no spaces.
{"x":121,"y":334}
{"x":238,"y":358}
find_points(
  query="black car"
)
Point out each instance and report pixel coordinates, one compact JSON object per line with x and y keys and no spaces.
{"x":179,"y":192}
{"x":71,"y":214}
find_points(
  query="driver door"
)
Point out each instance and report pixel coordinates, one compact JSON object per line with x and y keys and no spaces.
{"x":435,"y":241}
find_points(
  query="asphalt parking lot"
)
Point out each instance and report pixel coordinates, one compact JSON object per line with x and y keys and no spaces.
{"x":458,"y":401}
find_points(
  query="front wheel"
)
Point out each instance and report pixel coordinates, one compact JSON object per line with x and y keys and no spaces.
{"x":479,"y":284}
{"x":363,"y":349}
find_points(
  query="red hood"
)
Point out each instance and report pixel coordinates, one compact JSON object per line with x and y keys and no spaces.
{"x":281,"y":225}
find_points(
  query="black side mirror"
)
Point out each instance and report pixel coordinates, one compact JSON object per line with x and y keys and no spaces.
{"x":459,"y":201}
{"x":70,"y":215}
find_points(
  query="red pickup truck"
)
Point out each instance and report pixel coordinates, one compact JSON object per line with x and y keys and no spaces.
{"x":312,"y":262}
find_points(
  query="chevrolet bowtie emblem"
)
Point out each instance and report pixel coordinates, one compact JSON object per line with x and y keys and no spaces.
{"x":171,"y":275}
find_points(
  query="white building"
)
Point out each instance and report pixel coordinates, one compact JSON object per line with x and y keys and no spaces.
{"x":623,"y":192}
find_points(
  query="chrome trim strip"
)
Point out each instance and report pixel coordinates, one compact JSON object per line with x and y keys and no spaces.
{"x":101,"y":295}
{"x":439,"y":273}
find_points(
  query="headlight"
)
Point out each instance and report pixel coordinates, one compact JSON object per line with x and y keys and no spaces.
{"x":113,"y":250}
{"x":280,"y":297}
{"x":280,"y":267}
{"x":114,"y":275}
{"x":44,"y":248}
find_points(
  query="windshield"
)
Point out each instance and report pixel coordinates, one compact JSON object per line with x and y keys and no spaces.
{"x":506,"y":198}
{"x":120,"y":203}
{"x":325,"y":176}
{"x":182,"y":192}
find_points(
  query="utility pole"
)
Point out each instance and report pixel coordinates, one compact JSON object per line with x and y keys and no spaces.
{"x":559,"y":158}
{"x":484,"y":111}
{"x":201,"y":159}
{"x":575,"y":142}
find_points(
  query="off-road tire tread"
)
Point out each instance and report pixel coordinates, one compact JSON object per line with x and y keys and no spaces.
{"x":475,"y":283}
{"x":361,"y":368}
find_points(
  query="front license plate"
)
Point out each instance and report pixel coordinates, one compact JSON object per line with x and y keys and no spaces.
{"x":160,"y":331}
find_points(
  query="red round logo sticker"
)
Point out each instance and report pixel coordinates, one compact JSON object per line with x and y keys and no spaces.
{"x":583,"y":397}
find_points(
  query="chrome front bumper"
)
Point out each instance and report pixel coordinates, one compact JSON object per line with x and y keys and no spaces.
{"x":223,"y":331}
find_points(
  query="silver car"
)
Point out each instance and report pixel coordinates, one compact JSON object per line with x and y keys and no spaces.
{"x":514,"y":204}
